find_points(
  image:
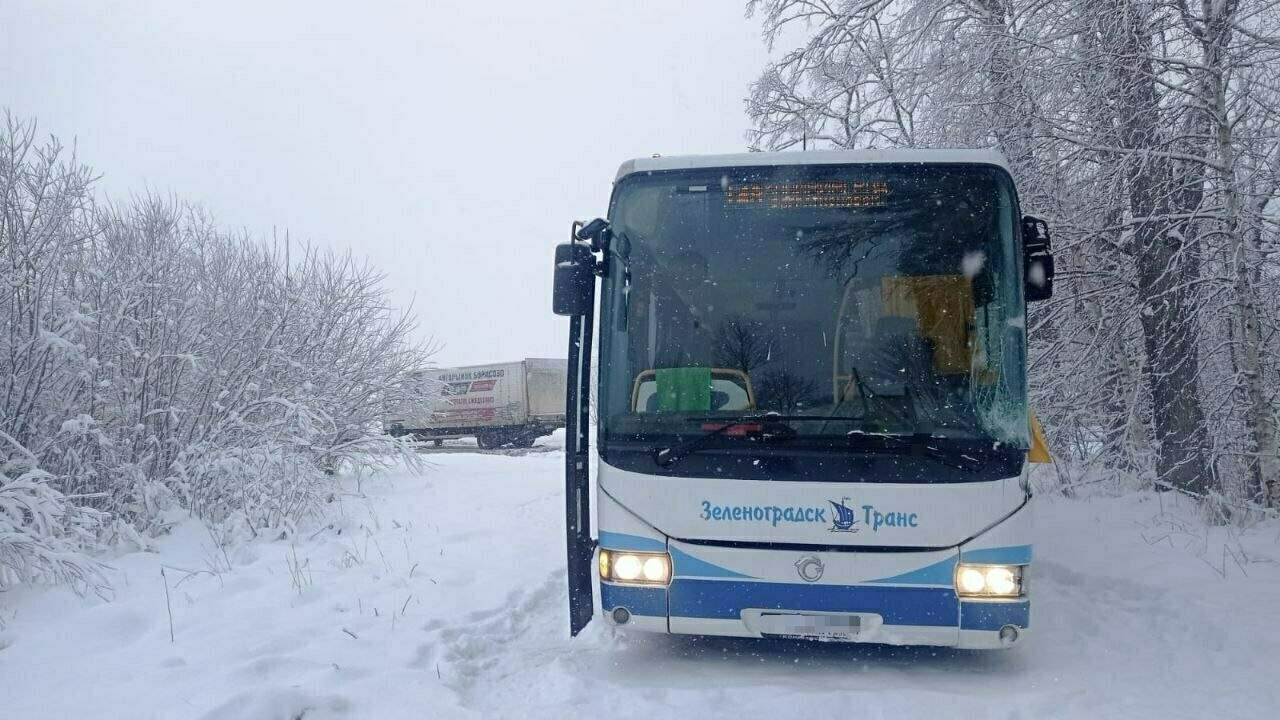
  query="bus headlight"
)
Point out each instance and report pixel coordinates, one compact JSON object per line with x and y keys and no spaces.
{"x":989,"y":581}
{"x":635,"y":568}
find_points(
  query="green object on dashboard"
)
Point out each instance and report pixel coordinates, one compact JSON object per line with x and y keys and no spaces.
{"x":684,"y":389}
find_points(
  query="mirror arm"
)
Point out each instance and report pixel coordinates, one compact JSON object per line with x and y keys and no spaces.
{"x":594,"y":232}
{"x":597,"y":233}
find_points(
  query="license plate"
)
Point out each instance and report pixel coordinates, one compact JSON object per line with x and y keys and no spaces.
{"x":834,"y":628}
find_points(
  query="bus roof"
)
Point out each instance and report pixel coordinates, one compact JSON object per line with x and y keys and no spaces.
{"x":812,"y":157}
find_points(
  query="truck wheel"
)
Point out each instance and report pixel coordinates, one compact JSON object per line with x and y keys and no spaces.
{"x":438,"y":443}
{"x":524,"y":441}
{"x":488,"y":441}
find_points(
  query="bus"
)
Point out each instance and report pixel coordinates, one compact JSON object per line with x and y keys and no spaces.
{"x":811,"y":398}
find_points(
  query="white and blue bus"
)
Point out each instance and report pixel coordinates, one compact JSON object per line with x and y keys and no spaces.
{"x":811,"y":413}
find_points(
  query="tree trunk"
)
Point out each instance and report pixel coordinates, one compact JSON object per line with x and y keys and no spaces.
{"x":1259,"y":417}
{"x":1167,"y":260}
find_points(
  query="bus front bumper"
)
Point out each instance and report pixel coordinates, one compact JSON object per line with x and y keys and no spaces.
{"x":895,"y":614}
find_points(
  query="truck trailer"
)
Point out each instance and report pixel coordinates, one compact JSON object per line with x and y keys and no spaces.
{"x":505,"y":404}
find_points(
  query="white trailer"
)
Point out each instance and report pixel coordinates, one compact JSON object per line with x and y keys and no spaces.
{"x":505,"y":404}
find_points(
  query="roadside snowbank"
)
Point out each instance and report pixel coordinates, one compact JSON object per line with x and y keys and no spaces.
{"x":442,"y":596}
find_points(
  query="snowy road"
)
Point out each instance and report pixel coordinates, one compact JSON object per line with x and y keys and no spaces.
{"x":442,"y":596}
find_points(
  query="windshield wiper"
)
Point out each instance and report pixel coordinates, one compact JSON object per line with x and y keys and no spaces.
{"x":917,"y":444}
{"x":772,"y":427}
{"x":769,"y":426}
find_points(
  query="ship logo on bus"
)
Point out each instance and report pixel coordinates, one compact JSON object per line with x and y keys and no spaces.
{"x":844,"y":520}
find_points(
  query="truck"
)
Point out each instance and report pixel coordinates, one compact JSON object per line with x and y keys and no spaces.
{"x":811,"y":398}
{"x":500,"y":405}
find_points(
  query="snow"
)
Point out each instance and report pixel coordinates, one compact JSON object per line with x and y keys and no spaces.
{"x":442,"y":596}
{"x":972,"y":262}
{"x":79,"y":424}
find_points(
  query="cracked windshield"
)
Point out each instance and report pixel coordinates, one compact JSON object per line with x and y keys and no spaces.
{"x":846,"y":301}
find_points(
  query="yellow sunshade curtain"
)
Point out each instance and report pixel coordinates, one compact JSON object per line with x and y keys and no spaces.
{"x":943,"y":305}
{"x":1039,"y":452}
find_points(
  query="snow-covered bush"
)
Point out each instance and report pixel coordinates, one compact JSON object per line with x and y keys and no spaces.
{"x":151,"y":361}
{"x":43,"y":533}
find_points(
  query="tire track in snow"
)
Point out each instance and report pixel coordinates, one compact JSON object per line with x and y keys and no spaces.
{"x":517,"y":660}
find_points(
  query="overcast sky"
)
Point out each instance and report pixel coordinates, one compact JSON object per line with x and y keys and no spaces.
{"x":450,"y":142}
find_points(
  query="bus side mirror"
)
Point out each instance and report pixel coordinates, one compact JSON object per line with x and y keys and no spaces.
{"x":575,"y":281}
{"x":1037,"y":259}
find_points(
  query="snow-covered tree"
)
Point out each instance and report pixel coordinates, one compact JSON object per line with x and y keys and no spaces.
{"x":151,"y":361}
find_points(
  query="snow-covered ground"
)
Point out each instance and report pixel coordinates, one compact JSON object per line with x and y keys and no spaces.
{"x":442,"y":596}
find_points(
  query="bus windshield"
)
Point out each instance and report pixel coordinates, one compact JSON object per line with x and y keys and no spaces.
{"x":852,"y":300}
